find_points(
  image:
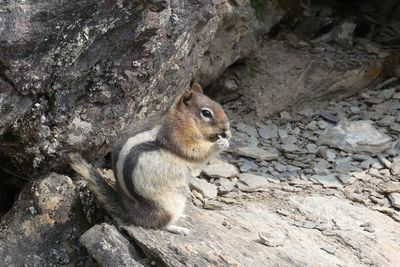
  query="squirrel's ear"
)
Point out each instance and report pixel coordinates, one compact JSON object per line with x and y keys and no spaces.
{"x":197,"y":88}
{"x":184,"y":99}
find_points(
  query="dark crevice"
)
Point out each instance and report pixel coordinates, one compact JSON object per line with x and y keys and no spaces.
{"x":11,"y":184}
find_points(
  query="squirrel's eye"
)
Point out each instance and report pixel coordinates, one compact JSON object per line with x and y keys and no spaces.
{"x":206,"y":113}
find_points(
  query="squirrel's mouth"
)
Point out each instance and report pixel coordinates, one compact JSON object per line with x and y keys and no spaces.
{"x":214,"y":137}
{"x":224,"y":134}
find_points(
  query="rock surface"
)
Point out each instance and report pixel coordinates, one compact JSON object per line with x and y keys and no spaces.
{"x":44,"y":226}
{"x":281,"y":74}
{"x":253,"y":182}
{"x":220,"y":169}
{"x":257,"y":153}
{"x":207,"y":189}
{"x":395,"y":200}
{"x":356,"y":136}
{"x":108,"y":247}
{"x":231,"y":236}
{"x":328,"y":181}
{"x":91,"y":68}
{"x":297,"y":202}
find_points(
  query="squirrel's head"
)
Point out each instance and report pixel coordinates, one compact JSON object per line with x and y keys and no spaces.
{"x":207,"y":115}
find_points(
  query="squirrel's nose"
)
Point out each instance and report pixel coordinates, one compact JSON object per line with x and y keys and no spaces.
{"x":226,"y":126}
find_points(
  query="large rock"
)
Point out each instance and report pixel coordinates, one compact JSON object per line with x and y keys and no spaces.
{"x":395,"y":200}
{"x":206,"y":189}
{"x":220,"y":169}
{"x":109,"y":247}
{"x":253,"y":182}
{"x":283,"y":73}
{"x":44,"y":226}
{"x":258,"y":153}
{"x":74,"y":73}
{"x":230,"y":237}
{"x":356,"y":137}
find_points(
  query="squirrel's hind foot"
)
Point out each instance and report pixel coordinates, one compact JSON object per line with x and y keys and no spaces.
{"x":177,"y":230}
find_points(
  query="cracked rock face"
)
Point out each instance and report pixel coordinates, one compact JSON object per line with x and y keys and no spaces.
{"x":74,"y":73}
{"x":44,"y":226}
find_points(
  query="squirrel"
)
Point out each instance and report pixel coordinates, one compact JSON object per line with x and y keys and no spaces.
{"x":152,"y":166}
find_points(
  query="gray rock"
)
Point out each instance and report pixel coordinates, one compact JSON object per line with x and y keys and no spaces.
{"x":312,"y":148}
{"x":367,"y":227}
{"x":386,"y":120}
{"x":355,"y":137}
{"x":312,"y":126}
{"x":387,"y":93}
{"x":279,"y":166}
{"x":395,"y":200}
{"x":309,"y":225}
{"x":395,"y":167}
{"x":329,"y":248}
{"x":248,"y":129}
{"x":283,"y":134}
{"x":291,"y":168}
{"x":225,"y":185}
{"x":285,"y":115}
{"x":289,"y":147}
{"x":361,"y":157}
{"x":343,"y":160}
{"x":268,"y":131}
{"x":328,"y":181}
{"x":343,"y":33}
{"x":376,"y":164}
{"x":322,"y":124}
{"x":346,"y":179}
{"x":236,"y":228}
{"x":252,"y":182}
{"x":366,"y":164}
{"x":258,"y":153}
{"x":273,"y":238}
{"x":252,"y":141}
{"x":345,"y":167}
{"x":289,"y":140}
{"x":247,"y":165}
{"x":207,"y":189}
{"x":331,"y":117}
{"x":95,"y":62}
{"x":374,"y":100}
{"x":220,"y":169}
{"x":395,"y":127}
{"x":212,"y":205}
{"x":330,"y":155}
{"x":384,"y":161}
{"x":355,"y":110}
{"x":109,"y":247}
{"x":321,"y":167}
{"x":327,"y":154}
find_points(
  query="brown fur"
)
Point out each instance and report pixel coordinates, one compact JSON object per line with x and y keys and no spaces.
{"x":183,"y":130}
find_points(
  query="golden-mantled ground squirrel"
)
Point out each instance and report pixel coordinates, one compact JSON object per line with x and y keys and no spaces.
{"x":152,"y":166}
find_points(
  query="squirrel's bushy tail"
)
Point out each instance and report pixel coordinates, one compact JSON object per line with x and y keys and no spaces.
{"x":145,"y":213}
{"x":96,"y":183}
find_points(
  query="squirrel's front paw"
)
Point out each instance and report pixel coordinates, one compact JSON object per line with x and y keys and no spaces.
{"x":221,"y":144}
